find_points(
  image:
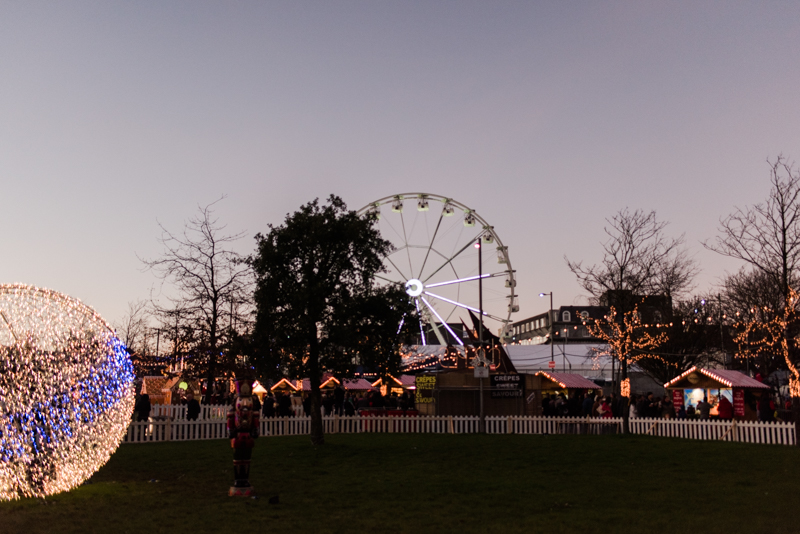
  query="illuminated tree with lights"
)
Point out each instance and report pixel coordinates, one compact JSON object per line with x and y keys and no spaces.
{"x":628,"y":341}
{"x":317,"y":307}
{"x":766,"y":333}
{"x":694,"y":337}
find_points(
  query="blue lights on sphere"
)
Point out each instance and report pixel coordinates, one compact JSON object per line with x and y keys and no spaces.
{"x":66,"y":392}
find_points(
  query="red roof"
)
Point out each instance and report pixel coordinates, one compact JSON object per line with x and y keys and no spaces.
{"x":732,"y":379}
{"x":408,"y":381}
{"x":569,"y":380}
{"x":357,"y":385}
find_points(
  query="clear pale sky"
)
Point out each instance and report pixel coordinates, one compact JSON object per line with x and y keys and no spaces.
{"x":545,"y":117}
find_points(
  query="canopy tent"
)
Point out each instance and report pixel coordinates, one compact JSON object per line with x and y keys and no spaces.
{"x":585,"y":359}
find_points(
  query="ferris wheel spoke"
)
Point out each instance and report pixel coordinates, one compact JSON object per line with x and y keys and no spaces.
{"x":454,"y":303}
{"x":388,"y":280}
{"x":405,"y":242}
{"x":442,"y":321}
{"x":449,"y":260}
{"x":390,"y":225}
{"x":459,"y":280}
{"x":438,"y":332}
{"x":430,"y":246}
{"x":396,"y":267}
{"x":421,"y":327}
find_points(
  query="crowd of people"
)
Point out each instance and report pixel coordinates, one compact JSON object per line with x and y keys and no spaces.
{"x":647,"y":405}
{"x":579,"y":404}
{"x":336,"y":402}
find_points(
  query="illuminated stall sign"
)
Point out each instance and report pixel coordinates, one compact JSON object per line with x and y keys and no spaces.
{"x":424,"y":391}
{"x":738,"y":402}
{"x":677,"y":398}
{"x":506,"y":386}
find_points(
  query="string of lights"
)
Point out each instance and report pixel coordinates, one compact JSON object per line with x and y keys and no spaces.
{"x":765,"y":333}
{"x":66,"y":392}
{"x":629,"y":338}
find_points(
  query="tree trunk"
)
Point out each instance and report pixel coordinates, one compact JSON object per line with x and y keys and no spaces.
{"x":317,"y":430}
{"x":210,"y":378}
{"x":624,"y":400}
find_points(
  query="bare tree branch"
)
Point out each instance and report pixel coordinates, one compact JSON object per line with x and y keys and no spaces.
{"x":213,"y":289}
{"x":767,"y":235}
{"x":638,"y":258}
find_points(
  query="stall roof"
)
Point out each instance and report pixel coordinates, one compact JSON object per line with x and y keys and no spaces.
{"x":283,"y":383}
{"x":405,"y":381}
{"x":569,"y":380}
{"x":732,"y":379}
{"x":358,"y":384}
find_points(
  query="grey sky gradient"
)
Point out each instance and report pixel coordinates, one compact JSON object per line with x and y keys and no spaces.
{"x":545,"y":117}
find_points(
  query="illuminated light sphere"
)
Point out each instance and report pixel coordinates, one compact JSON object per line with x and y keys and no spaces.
{"x":66,"y":392}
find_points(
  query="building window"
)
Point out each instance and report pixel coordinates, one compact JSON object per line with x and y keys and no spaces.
{"x":566,"y":317}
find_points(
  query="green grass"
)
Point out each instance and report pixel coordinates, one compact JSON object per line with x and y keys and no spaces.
{"x":434,"y":483}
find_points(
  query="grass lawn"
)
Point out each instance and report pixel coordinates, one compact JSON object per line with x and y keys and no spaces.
{"x":434,"y":483}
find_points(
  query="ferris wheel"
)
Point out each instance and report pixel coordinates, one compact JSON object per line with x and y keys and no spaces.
{"x":449,"y":260}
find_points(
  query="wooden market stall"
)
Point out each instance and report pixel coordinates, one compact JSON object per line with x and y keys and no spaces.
{"x":284,"y":386}
{"x":544,"y":383}
{"x":356,"y":385}
{"x":176,"y":389}
{"x":153,"y":387}
{"x":740,"y":390}
{"x":395,"y":385}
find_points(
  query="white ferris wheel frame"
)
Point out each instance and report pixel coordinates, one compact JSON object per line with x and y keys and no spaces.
{"x":417,"y":289}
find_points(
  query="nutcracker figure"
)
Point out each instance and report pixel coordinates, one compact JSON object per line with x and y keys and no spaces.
{"x":242,"y":430}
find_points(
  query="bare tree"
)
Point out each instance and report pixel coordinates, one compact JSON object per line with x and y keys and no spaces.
{"x":750,"y":289}
{"x":132,"y":329}
{"x":637,"y":259}
{"x":212,"y":289}
{"x":767,"y":235}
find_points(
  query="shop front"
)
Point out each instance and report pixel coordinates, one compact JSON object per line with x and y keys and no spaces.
{"x":725,"y":391}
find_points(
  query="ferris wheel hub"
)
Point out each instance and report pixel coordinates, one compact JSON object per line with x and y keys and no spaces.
{"x":414,"y":287}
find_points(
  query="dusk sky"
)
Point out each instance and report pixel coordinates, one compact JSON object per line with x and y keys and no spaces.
{"x":544,"y":117}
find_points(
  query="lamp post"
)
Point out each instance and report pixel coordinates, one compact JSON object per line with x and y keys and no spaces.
{"x":482,"y":362}
{"x":550,"y":320}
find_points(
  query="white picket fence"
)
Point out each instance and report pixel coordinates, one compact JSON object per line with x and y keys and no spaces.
{"x":169,"y":424}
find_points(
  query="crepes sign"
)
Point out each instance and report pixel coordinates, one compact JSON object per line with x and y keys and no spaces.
{"x":506,"y":386}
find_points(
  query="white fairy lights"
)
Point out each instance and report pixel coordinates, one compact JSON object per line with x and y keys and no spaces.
{"x":66,"y":392}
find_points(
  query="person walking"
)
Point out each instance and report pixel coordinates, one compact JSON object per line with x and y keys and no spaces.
{"x":725,"y":409}
{"x":192,"y":407}
{"x":338,"y":400}
{"x":143,"y":407}
{"x":704,"y":409}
